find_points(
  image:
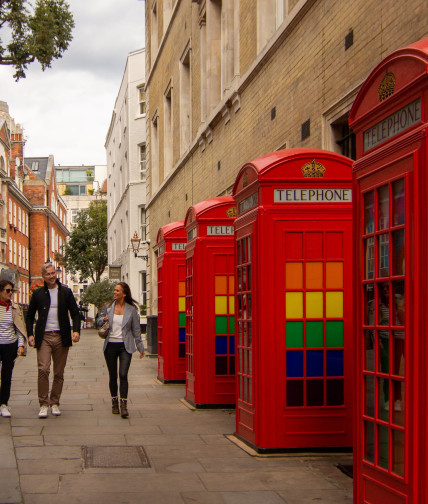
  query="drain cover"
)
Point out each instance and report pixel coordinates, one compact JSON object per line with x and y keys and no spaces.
{"x":115,"y":456}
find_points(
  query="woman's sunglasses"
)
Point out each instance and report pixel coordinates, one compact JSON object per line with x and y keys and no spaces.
{"x":9,"y":290}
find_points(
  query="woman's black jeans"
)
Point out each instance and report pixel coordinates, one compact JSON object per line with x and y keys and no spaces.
{"x":8,"y":354}
{"x":113,"y":352}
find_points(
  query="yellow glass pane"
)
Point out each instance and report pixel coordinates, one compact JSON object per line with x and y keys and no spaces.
{"x":334,"y":275}
{"x":314,"y":275}
{"x":231,"y":305}
{"x":294,"y":305}
{"x":181,"y":288}
{"x":314,"y":305}
{"x":221,"y":305}
{"x":221,"y":284}
{"x":181,"y":304}
{"x":293,"y":275}
{"x":334,"y":304}
{"x":231,"y":284}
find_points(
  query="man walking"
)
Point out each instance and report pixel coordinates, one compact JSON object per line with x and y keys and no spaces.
{"x":52,"y":336}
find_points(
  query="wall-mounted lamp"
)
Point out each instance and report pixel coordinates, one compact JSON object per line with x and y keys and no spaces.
{"x":135,"y":243}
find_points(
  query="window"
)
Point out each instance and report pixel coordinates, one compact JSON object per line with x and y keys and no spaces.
{"x":143,"y":161}
{"x":144,"y":289}
{"x":10,"y":250}
{"x":10,"y":211}
{"x":35,"y":166}
{"x":143,"y":224}
{"x":19,"y":218}
{"x":14,"y":252}
{"x":154,"y":171}
{"x":75,"y":190}
{"x":154,"y":42}
{"x":167,"y":156}
{"x":185,"y":100}
{"x":14,"y":214}
{"x":142,"y":99}
{"x":344,"y":138}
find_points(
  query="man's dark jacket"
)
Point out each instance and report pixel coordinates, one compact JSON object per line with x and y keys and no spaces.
{"x":40,"y":302}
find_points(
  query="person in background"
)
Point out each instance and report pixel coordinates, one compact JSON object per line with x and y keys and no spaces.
{"x":123,"y":339}
{"x":12,"y":341}
{"x":52,"y":335}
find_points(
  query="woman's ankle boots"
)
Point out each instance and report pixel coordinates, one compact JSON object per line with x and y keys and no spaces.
{"x":115,"y":405}
{"x":124,"y":408}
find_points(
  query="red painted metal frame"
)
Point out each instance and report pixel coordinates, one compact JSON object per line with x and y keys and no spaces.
{"x":206,"y":257}
{"x":171,"y":265}
{"x":265,"y":421}
{"x":400,"y":157}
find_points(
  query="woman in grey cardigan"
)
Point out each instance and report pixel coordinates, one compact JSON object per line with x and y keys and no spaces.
{"x":124,"y":337}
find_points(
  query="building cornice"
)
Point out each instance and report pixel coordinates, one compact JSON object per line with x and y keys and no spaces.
{"x":53,"y":216}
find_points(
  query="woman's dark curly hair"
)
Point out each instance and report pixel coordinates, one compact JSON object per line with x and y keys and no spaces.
{"x":5,"y":282}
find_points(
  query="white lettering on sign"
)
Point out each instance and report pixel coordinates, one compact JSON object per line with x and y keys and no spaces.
{"x":178,"y":246}
{"x":220,"y":230}
{"x":298,"y":195}
{"x":392,"y":125}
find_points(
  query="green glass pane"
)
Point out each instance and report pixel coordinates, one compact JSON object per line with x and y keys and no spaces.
{"x":314,"y":334}
{"x":232,"y":325}
{"x":334,"y":333}
{"x":182,"y":319}
{"x":294,"y":334}
{"x":221,"y":324}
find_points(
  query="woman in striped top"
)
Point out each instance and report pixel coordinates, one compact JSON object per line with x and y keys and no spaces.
{"x":12,"y":341}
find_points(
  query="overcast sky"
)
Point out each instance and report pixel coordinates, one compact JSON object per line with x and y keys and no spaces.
{"x":66,"y":110}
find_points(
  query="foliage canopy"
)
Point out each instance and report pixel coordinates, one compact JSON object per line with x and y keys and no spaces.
{"x":98,"y":293}
{"x":41,"y":33}
{"x":85,"y":253}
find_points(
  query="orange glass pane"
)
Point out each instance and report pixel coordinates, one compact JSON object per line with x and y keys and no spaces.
{"x":231,"y":284}
{"x":221,"y":284}
{"x":181,"y":288}
{"x":294,"y":275}
{"x":314,"y":275}
{"x":334,"y":275}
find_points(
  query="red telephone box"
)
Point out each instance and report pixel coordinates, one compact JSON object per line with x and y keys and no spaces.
{"x":390,"y":230}
{"x":171,"y":243}
{"x":294,"y":277}
{"x":210,"y":302}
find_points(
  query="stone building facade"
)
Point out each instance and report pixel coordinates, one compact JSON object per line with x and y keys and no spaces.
{"x":126,"y":179}
{"x":230,"y":80}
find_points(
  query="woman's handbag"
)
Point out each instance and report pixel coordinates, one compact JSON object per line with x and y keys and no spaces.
{"x":104,"y":329}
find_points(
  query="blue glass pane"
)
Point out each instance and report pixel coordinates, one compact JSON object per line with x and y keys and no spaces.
{"x":221,"y":345}
{"x":334,"y":362}
{"x":294,"y":364}
{"x":182,"y":334}
{"x":314,"y":363}
{"x":232,"y":345}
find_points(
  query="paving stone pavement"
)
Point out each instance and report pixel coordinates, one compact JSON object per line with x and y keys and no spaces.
{"x":192,"y":457}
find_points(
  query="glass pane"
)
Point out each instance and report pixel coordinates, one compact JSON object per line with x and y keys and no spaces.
{"x":383,"y":251}
{"x":398,"y":452}
{"x":250,"y":340}
{"x":399,"y":346}
{"x":369,"y":307}
{"x":244,"y":278}
{"x":398,"y":262}
{"x":383,"y":446}
{"x":248,"y":277}
{"x":383,"y":294}
{"x":249,"y":307}
{"x":399,"y":303}
{"x":294,"y":334}
{"x":369,"y":442}
{"x":335,"y":393}
{"x":399,"y":403}
{"x":294,"y":392}
{"x":315,"y":393}
{"x":399,"y":208}
{"x":369,"y":351}
{"x":383,"y":399}
{"x":383,"y":206}
{"x":369,"y":212}
{"x":383,"y":351}
{"x":369,"y":262}
{"x":294,"y":363}
{"x":369,"y":396}
{"x":249,"y":248}
{"x":239,"y":279}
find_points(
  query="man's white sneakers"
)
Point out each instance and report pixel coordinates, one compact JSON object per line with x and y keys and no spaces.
{"x":5,"y":411}
{"x":55,"y":410}
{"x":43,"y":413}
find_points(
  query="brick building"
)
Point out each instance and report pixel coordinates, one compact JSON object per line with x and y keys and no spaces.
{"x":48,"y":219}
{"x":229,"y":81}
{"x":33,"y":217}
